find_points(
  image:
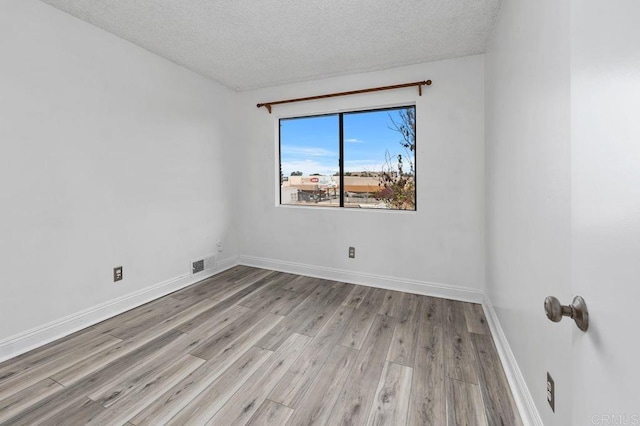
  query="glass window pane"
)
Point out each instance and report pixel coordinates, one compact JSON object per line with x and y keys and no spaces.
{"x":309,"y":154}
{"x":379,"y":153}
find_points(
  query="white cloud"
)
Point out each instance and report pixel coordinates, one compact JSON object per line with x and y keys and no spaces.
{"x":308,"y":167}
{"x":301,"y":151}
{"x":354,"y":140}
{"x":363,"y":166}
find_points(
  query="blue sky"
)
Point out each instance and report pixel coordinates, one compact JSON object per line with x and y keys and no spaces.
{"x":311,"y":144}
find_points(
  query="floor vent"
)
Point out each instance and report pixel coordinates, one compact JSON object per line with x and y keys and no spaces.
{"x":205,"y":264}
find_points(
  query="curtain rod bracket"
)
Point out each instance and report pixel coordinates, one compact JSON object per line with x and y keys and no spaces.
{"x":268,"y":105}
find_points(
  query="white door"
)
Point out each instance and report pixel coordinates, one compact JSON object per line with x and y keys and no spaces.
{"x":605,"y":142}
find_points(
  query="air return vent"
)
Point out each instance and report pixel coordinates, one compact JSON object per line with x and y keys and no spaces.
{"x":206,"y":263}
{"x":197,"y":266}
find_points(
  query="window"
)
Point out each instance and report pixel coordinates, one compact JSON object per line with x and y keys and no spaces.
{"x":360,"y":159}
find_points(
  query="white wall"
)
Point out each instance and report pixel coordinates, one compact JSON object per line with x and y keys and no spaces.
{"x":528,"y":160}
{"x":442,"y":243}
{"x":109,"y":155}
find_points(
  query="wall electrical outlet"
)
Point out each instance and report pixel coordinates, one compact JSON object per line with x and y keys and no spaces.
{"x":219,"y":245}
{"x":352,"y":252}
{"x":551,"y":392}
{"x":117,"y":274}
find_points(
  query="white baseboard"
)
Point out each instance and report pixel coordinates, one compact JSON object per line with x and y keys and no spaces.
{"x":464,"y":294}
{"x":36,"y":337}
{"x":521,"y":395}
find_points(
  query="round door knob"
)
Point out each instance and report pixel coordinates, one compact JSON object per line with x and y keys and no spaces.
{"x":577,"y":310}
{"x":554,"y":309}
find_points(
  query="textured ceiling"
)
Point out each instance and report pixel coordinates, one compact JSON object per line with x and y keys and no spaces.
{"x":247,"y":44}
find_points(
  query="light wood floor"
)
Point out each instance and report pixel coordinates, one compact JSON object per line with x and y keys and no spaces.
{"x":262,"y":347}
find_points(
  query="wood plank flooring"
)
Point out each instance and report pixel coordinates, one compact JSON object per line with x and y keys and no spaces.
{"x":259,"y":347}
